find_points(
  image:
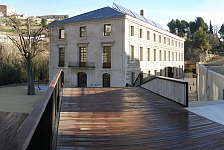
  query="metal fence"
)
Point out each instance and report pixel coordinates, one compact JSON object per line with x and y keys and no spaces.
{"x":142,"y":78}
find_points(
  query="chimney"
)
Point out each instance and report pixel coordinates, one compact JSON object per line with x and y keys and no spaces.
{"x":142,"y":12}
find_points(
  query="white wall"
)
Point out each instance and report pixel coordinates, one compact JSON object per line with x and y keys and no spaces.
{"x":210,"y":83}
{"x":120,"y":41}
{"x":94,"y":41}
{"x":143,"y":42}
{"x":174,"y":89}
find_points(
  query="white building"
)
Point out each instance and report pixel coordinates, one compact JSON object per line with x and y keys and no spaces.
{"x":111,"y":46}
{"x":7,"y":10}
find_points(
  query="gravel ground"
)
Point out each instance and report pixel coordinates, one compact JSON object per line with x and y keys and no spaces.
{"x":14,"y":99}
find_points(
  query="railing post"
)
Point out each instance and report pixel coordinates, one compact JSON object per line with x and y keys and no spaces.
{"x":141,"y":77}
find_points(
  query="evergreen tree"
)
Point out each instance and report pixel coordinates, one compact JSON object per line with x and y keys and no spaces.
{"x":210,"y":30}
{"x":221,"y":31}
{"x":43,"y":22}
{"x":200,"y":38}
{"x":172,"y":26}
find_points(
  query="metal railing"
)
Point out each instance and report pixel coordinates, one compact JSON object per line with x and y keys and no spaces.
{"x":81,"y":64}
{"x":142,"y":77}
{"x":38,"y":132}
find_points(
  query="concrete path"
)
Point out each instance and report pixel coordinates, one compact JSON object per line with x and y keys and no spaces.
{"x":213,"y":110}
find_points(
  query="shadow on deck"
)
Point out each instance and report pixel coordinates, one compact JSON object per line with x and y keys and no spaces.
{"x":131,"y":118}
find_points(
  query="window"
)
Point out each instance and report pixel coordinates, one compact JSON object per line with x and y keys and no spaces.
{"x":176,"y":56}
{"x":141,"y":54}
{"x":172,"y":42}
{"x":160,"y":55}
{"x":172,"y":56}
{"x":169,"y":41}
{"x":164,"y":55}
{"x":82,"y":31}
{"x":181,"y":45}
{"x":107,"y":30}
{"x":132,"y":53}
{"x":132,"y":30}
{"x":168,"y":55}
{"x":106,"y":80}
{"x":148,"y":35}
{"x":148,"y":54}
{"x":176,"y":43}
{"x":154,"y":54}
{"x":164,"y":40}
{"x":154,"y":37}
{"x":182,"y":56}
{"x":140,"y":33}
{"x":82,"y":56}
{"x":61,"y":33}
{"x":160,"y":39}
{"x":61,"y":57}
{"x":107,"y":57}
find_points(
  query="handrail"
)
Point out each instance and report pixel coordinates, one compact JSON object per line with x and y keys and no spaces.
{"x":142,"y":78}
{"x":173,"y":89}
{"x":38,"y":130}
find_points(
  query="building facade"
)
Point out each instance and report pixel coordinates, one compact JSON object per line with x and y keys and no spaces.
{"x":109,"y":47}
{"x":7,"y":10}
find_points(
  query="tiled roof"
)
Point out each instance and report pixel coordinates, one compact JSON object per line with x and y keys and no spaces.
{"x":99,"y":14}
{"x":105,"y":13}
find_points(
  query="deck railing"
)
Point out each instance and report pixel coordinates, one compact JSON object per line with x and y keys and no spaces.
{"x":142,"y":78}
{"x":90,"y":65}
{"x":173,"y":89}
{"x":39,"y":129}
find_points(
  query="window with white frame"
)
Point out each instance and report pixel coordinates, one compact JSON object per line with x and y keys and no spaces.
{"x":140,"y":33}
{"x":61,"y":33}
{"x":148,"y":35}
{"x":141,"y":54}
{"x":148,"y":54}
{"x":107,"y":30}
{"x":160,"y":55}
{"x":83,"y":31}
{"x":132,"y":30}
{"x":132,"y":53}
{"x":154,"y":54}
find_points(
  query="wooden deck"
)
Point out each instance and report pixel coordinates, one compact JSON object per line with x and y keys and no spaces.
{"x":131,"y":118}
{"x":9,"y":124}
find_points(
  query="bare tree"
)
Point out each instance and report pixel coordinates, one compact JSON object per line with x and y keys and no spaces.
{"x":216,"y":30}
{"x":28,"y":42}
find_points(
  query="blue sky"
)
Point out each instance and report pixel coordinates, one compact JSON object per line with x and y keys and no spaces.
{"x":160,"y":11}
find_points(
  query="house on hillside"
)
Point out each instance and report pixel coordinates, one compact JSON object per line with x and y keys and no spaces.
{"x":109,"y":47}
{"x":6,"y":10}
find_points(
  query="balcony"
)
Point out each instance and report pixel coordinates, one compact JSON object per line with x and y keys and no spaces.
{"x":106,"y":64}
{"x":86,"y":65}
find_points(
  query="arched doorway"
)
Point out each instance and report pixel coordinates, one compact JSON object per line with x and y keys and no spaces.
{"x":106,"y":80}
{"x":82,"y":79}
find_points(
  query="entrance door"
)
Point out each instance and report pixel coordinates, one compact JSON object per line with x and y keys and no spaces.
{"x":82,"y":79}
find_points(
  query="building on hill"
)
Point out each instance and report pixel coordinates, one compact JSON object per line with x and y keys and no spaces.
{"x":6,"y":10}
{"x":109,"y":47}
{"x":54,"y":17}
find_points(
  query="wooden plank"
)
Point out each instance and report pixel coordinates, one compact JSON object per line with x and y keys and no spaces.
{"x":131,"y":118}
{"x":9,"y":124}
